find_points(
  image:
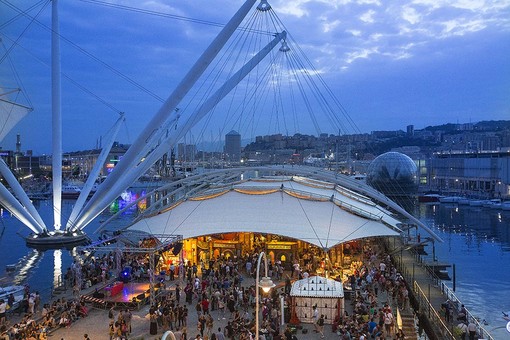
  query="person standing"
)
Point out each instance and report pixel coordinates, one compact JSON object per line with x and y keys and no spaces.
{"x":463,"y":329}
{"x":388,"y":322}
{"x":3,"y":310}
{"x":153,"y":323}
{"x":128,"y":316}
{"x":220,"y":335}
{"x":315,"y":318}
{"x":320,"y":327}
{"x":177,"y":293}
{"x":472,"y":330}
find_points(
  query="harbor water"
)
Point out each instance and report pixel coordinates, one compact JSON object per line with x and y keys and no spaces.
{"x":476,"y":240}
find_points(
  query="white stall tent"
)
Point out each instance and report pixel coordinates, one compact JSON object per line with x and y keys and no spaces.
{"x":326,"y":294}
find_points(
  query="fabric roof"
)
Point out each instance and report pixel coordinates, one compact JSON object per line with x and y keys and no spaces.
{"x":349,"y":197}
{"x":317,"y":286}
{"x":319,"y":222}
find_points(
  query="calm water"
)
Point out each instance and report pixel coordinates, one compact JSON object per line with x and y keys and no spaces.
{"x":476,"y":240}
{"x":40,"y":270}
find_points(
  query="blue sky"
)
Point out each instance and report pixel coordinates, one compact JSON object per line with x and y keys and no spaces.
{"x":390,"y":64}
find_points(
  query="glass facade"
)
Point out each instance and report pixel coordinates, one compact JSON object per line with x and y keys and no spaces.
{"x":393,"y":174}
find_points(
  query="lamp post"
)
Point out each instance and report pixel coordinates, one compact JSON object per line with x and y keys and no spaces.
{"x":266,"y":284}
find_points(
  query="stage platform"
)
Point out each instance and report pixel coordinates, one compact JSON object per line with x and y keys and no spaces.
{"x":132,"y":295}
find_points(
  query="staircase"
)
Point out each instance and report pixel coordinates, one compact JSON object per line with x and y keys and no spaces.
{"x":408,"y":326}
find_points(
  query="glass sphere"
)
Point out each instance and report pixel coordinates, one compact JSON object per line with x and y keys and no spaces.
{"x":393,"y":174}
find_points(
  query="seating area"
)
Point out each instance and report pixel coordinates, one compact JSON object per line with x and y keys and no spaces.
{"x":61,"y":313}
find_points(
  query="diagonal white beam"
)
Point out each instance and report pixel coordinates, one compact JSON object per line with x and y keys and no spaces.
{"x":89,"y":184}
{"x":21,"y":195}
{"x":10,"y":203}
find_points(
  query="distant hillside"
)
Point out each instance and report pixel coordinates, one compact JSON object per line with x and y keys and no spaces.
{"x":486,"y":125}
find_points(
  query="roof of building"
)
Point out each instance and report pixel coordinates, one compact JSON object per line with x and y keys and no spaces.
{"x":233,"y":133}
{"x":313,"y":211}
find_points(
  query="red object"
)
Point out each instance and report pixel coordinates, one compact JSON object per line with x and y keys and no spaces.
{"x":115,"y":288}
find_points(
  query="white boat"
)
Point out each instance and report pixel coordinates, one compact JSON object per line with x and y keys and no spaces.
{"x":491,"y":203}
{"x":8,"y":290}
{"x":70,"y":191}
{"x":450,"y":199}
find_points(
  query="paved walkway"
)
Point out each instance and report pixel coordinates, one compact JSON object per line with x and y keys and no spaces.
{"x":96,"y":324}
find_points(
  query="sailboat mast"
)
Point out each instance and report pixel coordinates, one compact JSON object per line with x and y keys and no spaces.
{"x":56,"y":117}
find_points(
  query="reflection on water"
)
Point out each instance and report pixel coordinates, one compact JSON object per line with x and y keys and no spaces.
{"x":474,"y":224}
{"x":477,"y":241}
{"x":43,"y":272}
{"x":25,"y":266}
{"x":57,"y":267}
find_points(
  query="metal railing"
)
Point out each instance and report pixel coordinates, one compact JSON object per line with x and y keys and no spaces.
{"x":432,"y":314}
{"x":455,"y":302}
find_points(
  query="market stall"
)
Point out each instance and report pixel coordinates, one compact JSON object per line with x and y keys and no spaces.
{"x":326,"y":294}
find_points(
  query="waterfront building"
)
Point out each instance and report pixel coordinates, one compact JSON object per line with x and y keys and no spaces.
{"x":481,"y":174}
{"x":233,"y":146}
{"x":186,"y":152}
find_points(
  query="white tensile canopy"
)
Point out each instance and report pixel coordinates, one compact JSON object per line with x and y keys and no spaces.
{"x":311,"y":213}
{"x":325,"y":294}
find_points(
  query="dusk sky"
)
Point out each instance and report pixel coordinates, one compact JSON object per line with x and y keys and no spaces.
{"x":389,"y":63}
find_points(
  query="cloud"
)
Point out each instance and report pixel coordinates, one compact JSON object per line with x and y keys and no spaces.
{"x":411,"y":15}
{"x":360,"y":54}
{"x":368,"y":16}
{"x":356,"y":33}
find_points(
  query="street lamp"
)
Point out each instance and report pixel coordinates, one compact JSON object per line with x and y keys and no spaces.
{"x":266,"y":284}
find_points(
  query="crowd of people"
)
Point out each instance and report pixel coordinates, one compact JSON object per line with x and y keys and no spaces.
{"x":36,"y":323}
{"x":219,"y":291}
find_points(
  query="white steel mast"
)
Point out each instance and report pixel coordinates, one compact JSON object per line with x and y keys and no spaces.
{"x":56,"y":117}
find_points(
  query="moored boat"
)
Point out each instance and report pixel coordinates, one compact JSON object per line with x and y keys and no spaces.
{"x":70,"y":191}
{"x":464,"y":201}
{"x":429,"y":198}
{"x":450,"y":199}
{"x":476,"y":203}
{"x":8,"y":290}
{"x":491,"y":203}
